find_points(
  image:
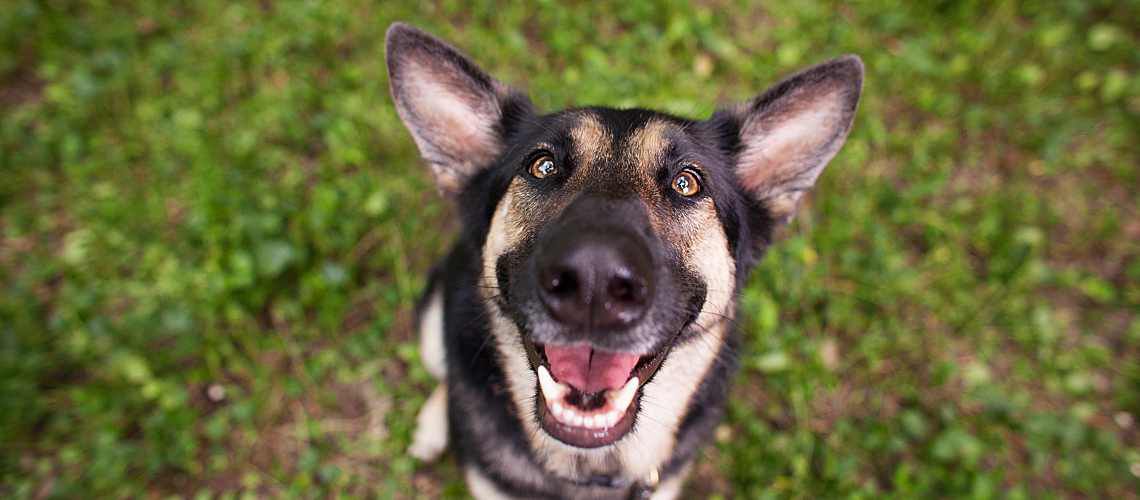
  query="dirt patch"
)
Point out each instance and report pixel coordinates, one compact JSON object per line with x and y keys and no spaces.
{"x":20,"y":87}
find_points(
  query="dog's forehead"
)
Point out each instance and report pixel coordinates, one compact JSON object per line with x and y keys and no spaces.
{"x":592,"y":143}
{"x":614,"y":148}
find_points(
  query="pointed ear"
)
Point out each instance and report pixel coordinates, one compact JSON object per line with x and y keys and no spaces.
{"x":456,"y":113}
{"x":786,"y":136}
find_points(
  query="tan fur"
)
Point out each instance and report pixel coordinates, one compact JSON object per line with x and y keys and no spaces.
{"x":647,"y":145}
{"x":430,"y":439}
{"x":482,"y":488}
{"x":507,"y":229}
{"x":431,"y":337}
{"x":592,"y":143}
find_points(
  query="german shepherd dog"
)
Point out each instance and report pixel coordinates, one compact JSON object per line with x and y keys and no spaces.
{"x":582,"y":324}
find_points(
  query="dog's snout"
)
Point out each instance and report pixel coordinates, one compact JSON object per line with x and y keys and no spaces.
{"x":595,"y":281}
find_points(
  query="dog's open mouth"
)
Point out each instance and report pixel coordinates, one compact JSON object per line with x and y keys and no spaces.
{"x":587,"y":397}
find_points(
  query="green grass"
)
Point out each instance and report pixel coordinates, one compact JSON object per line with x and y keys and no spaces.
{"x":214,"y":227}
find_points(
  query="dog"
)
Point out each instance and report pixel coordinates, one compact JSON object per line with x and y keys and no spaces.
{"x":582,"y":325}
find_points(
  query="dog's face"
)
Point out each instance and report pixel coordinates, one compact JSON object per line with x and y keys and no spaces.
{"x":613,"y":242}
{"x":604,"y":251}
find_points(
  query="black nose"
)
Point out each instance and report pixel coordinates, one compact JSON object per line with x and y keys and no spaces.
{"x":595,"y":280}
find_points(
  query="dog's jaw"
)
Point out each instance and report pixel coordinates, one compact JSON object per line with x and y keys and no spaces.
{"x":586,"y":429}
{"x":599,"y":417}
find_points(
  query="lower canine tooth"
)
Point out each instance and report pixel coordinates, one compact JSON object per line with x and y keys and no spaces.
{"x":622,"y":398}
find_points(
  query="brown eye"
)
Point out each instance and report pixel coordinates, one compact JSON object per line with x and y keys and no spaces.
{"x":543,"y":167}
{"x":687,"y":183}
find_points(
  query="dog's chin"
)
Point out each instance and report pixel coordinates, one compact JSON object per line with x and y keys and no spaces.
{"x":590,"y":413}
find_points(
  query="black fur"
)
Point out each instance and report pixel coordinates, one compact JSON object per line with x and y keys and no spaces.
{"x":484,"y":425}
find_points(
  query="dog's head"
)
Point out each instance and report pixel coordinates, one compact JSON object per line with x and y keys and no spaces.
{"x":613,"y":241}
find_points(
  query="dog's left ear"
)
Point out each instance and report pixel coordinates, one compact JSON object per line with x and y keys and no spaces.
{"x":787,"y":135}
{"x":457,"y":114}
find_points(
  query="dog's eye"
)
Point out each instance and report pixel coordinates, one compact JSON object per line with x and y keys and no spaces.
{"x":543,"y":167}
{"x":687,"y":183}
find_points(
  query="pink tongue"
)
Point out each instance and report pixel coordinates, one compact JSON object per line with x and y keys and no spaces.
{"x":574,"y":365}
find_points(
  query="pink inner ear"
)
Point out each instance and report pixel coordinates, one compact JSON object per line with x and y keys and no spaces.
{"x":453,"y":129}
{"x":788,"y":151}
{"x":451,"y":107}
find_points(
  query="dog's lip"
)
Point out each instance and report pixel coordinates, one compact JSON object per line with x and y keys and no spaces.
{"x":586,"y":437}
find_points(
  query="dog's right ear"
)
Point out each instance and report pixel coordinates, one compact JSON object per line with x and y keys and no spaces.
{"x":783,"y":138}
{"x":459,"y":116}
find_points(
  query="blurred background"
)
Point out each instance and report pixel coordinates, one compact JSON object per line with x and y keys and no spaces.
{"x":214,"y":228}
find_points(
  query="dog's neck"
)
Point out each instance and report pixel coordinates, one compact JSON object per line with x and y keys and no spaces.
{"x":637,"y":489}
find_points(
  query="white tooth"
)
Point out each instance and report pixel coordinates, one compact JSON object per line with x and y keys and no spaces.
{"x":612,"y":418}
{"x":594,"y":422}
{"x":557,"y":409}
{"x":551,"y":389}
{"x":578,"y":421}
{"x":568,"y":415}
{"x":588,"y":421}
{"x":624,"y":396}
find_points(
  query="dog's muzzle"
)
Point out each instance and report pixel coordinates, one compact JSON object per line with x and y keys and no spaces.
{"x":592,"y":280}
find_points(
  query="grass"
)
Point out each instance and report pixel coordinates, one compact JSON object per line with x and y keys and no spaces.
{"x":214,"y":227}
